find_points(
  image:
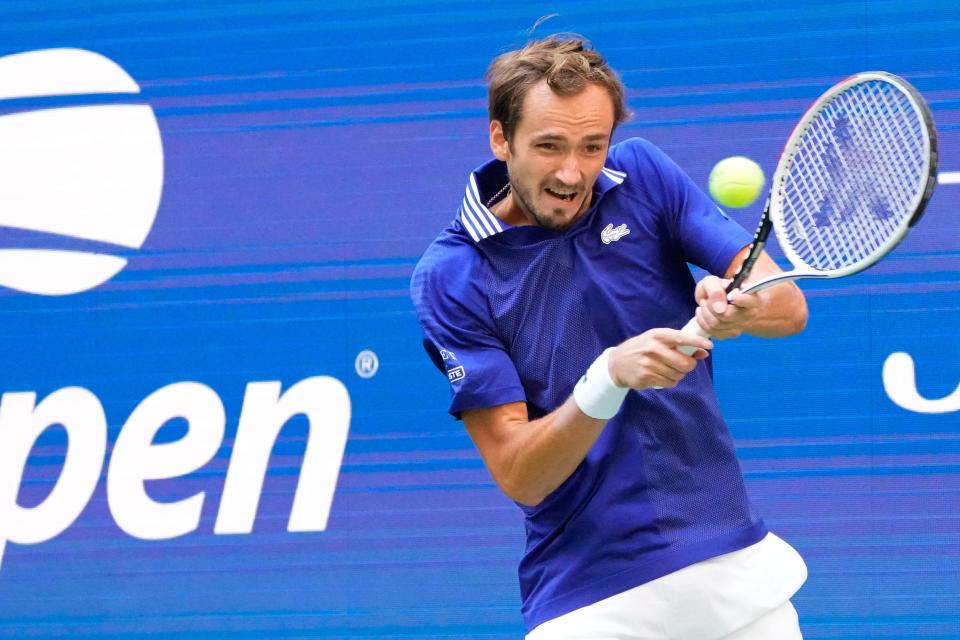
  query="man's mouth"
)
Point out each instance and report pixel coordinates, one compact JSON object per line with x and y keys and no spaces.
{"x":562,"y":194}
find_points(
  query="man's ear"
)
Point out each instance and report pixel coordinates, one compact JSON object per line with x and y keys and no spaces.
{"x":498,"y":142}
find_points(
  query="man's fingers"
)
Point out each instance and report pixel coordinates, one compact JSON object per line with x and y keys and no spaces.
{"x":707,"y":320}
{"x":744,"y":300}
{"x":674,"y":338}
{"x":715,"y":293}
{"x":678,"y":361}
{"x":652,"y":359}
{"x":718,"y":302}
{"x":697,"y":342}
{"x":668,"y":373}
{"x":730,"y":322}
{"x":719,"y":328}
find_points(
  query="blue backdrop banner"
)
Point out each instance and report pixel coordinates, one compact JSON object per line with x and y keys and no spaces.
{"x":217,"y":418}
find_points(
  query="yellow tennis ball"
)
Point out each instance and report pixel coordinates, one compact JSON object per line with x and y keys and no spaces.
{"x":736,"y":181}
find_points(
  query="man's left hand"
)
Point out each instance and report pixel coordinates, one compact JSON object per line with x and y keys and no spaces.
{"x":723,"y":319}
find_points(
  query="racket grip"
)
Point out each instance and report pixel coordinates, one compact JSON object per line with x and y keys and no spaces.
{"x":694,"y":328}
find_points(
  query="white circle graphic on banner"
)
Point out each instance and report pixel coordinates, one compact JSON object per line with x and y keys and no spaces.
{"x":87,"y":172}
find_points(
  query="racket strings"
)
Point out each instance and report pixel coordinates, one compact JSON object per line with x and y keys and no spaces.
{"x":847,"y":149}
{"x":853,"y":176}
{"x":862,"y":179}
{"x":837,"y":211}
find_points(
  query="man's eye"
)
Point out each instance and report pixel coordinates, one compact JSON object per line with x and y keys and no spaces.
{"x":594,"y":148}
{"x":549,"y":146}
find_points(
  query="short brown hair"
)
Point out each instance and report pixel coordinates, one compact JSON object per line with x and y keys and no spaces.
{"x":567,"y":62}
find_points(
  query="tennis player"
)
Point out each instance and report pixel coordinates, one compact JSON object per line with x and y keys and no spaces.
{"x":551,"y":302}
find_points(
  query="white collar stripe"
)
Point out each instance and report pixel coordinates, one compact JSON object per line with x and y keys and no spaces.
{"x":483,"y":209}
{"x":485,"y":214}
{"x":469,"y":226}
{"x":477,"y":213}
{"x":620,"y":174}
{"x":616,"y":176}
{"x":477,"y":226}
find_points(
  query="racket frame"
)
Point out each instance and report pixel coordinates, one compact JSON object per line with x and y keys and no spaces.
{"x":773,"y":210}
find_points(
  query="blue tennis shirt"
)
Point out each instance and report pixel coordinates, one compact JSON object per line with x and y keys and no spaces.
{"x":519,"y":313}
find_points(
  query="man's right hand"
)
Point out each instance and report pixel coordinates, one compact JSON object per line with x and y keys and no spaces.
{"x":651,"y":359}
{"x":529,"y":459}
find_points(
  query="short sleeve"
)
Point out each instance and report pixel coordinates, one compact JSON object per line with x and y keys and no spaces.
{"x":703,"y":232}
{"x":459,"y":337}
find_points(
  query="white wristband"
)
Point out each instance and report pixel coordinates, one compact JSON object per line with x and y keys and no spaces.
{"x":596,"y":394}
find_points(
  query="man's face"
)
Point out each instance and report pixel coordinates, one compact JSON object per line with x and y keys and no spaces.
{"x":555,"y":155}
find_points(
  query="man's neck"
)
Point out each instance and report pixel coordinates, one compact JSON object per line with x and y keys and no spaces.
{"x":511,"y":211}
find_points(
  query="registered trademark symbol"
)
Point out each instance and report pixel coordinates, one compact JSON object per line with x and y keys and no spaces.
{"x":366,"y":364}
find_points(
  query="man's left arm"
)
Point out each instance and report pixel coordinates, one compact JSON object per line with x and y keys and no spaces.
{"x":706,"y":237}
{"x":780,"y":310}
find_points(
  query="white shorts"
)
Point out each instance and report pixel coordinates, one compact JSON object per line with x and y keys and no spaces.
{"x":780,"y":624}
{"x":744,"y":595}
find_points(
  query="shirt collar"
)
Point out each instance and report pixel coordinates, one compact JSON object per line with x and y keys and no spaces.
{"x":488,"y":179}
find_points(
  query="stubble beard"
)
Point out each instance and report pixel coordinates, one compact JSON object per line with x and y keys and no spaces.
{"x":534,"y":214}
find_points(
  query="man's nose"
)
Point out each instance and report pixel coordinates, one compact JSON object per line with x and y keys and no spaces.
{"x":569,"y":171}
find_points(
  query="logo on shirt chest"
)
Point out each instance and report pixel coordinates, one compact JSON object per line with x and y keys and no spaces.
{"x":611,"y":233}
{"x":456,"y":374}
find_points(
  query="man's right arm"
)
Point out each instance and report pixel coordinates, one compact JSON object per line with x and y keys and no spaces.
{"x":528,"y":459}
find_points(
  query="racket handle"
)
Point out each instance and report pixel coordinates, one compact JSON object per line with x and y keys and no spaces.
{"x":694,"y":328}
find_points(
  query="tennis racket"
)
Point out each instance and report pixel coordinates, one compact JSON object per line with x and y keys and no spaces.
{"x":854,"y":177}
